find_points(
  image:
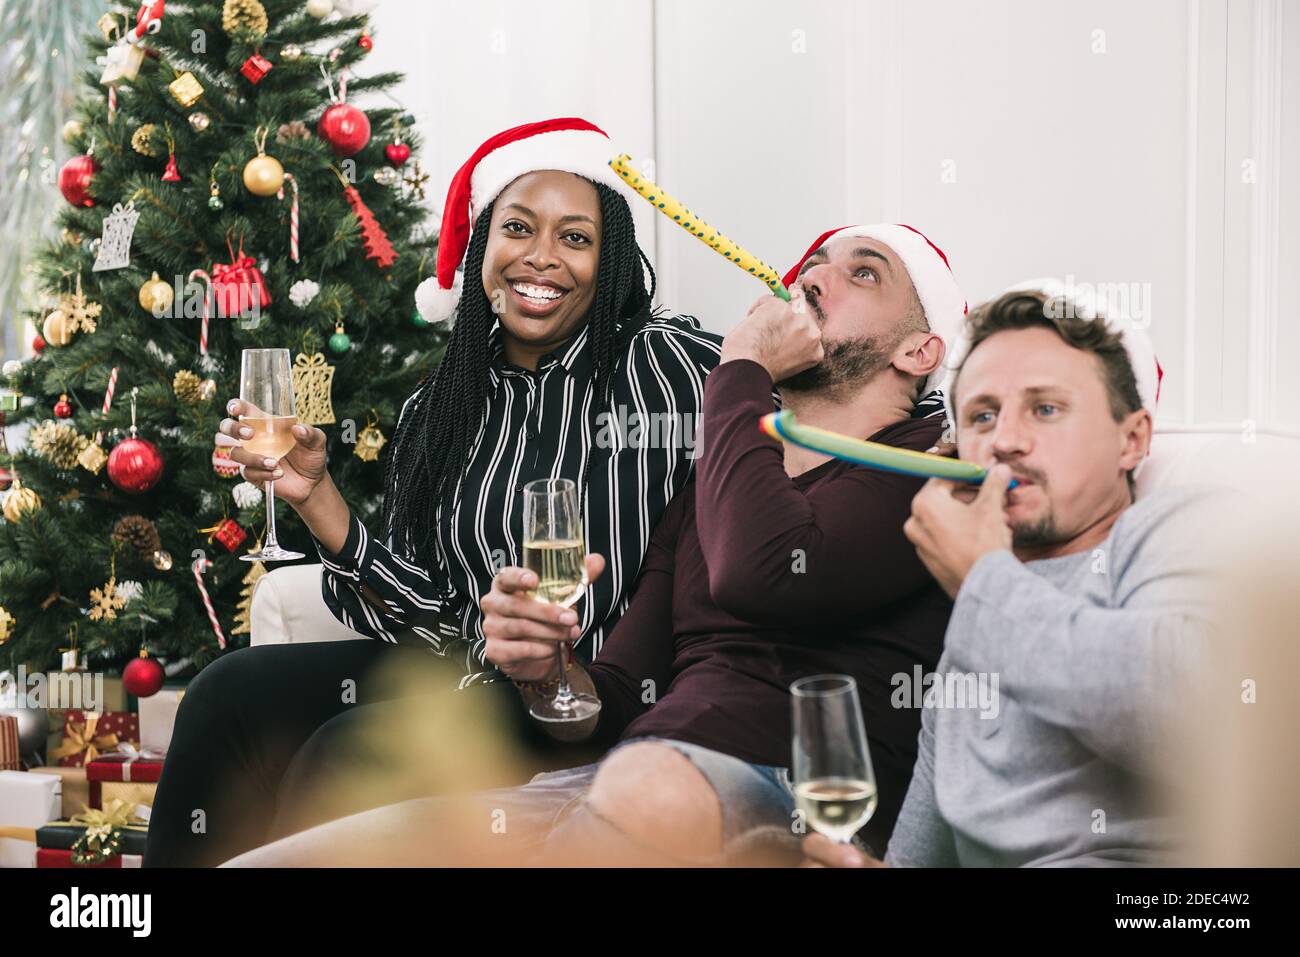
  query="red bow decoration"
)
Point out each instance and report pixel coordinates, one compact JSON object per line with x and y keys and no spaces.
{"x":238,"y":284}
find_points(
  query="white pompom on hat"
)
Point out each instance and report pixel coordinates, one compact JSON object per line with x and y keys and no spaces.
{"x":931,"y":276}
{"x":569,"y":144}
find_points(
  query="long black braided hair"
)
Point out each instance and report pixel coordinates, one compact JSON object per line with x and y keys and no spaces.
{"x":430,"y":449}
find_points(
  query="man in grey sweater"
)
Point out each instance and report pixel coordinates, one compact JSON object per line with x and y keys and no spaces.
{"x":1079,"y":609}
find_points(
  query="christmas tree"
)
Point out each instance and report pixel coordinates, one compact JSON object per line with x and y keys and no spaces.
{"x":223,"y":193}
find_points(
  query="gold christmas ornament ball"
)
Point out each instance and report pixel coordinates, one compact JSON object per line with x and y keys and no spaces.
{"x":57,"y":329}
{"x":263,"y":175}
{"x":387,"y":176}
{"x":162,"y":561}
{"x":156,"y":296}
{"x":207,"y":389}
{"x":290,"y":51}
{"x":320,"y":9}
{"x":199,"y":121}
{"x":71,"y":130}
{"x":20,"y":501}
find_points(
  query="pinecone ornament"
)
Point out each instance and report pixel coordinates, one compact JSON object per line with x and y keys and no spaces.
{"x":57,"y":443}
{"x":244,"y":20}
{"x":188,"y":387}
{"x":139,"y":534}
{"x":142,"y":140}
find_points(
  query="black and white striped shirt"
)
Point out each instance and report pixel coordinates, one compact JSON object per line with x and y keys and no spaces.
{"x":541,"y":424}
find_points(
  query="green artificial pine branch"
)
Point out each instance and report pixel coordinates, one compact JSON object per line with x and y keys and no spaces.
{"x":51,"y":558}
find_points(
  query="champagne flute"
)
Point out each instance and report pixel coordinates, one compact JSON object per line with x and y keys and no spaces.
{"x":834,"y":784}
{"x":266,"y":390}
{"x":554,"y":551}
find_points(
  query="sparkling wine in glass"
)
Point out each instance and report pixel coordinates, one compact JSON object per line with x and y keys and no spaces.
{"x":266,"y":390}
{"x":834,"y":785}
{"x":554,"y":551}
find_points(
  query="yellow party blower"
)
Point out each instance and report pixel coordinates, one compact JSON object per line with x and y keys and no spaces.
{"x":683,"y":217}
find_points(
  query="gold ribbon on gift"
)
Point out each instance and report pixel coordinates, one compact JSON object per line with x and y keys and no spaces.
{"x":81,"y":739}
{"x":103,"y":837}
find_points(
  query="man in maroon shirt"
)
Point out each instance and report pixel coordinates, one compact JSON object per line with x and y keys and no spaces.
{"x":772,"y":564}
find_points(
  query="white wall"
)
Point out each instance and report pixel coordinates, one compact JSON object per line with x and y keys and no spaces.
{"x":1113,"y":141}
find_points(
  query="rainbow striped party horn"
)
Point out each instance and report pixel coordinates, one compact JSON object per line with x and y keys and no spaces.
{"x":887,"y":458}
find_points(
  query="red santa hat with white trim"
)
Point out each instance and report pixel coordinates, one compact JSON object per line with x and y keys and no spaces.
{"x":570,"y":144}
{"x":931,"y":276}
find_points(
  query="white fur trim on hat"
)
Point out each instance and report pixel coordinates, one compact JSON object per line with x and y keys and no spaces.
{"x":944,"y":305}
{"x":583,"y":152}
{"x":435,"y":303}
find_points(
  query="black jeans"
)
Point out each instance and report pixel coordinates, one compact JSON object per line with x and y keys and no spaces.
{"x":259,"y":729}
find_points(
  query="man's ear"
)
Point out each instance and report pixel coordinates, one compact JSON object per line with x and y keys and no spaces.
{"x":919,"y":354}
{"x":1135,"y":431}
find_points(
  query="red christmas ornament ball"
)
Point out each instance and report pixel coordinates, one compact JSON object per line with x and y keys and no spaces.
{"x":365,"y":42}
{"x":142,"y":677}
{"x":6,"y":479}
{"x":38,"y":344}
{"x":397,"y":153}
{"x":63,"y":408}
{"x":75,"y":177}
{"x":135,"y":466}
{"x":345,"y":128}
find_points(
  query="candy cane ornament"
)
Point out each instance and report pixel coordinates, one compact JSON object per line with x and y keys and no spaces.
{"x":207,"y":312}
{"x":293,"y":214}
{"x":199,"y":567}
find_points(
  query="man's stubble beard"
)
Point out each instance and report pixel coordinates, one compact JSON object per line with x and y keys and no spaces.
{"x":850,"y":363}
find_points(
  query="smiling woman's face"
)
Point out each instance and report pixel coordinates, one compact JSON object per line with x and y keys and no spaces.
{"x":539,"y":269}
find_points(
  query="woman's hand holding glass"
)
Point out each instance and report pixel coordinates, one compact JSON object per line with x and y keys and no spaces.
{"x":296,"y":474}
{"x":521,"y":631}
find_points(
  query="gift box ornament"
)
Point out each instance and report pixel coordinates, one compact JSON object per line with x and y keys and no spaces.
{"x":255,"y":68}
{"x":237,"y":285}
{"x":186,"y":89}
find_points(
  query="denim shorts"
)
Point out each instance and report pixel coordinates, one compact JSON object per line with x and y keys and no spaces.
{"x":751,"y":795}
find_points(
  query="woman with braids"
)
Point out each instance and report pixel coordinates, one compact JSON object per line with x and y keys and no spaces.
{"x":556,"y":366}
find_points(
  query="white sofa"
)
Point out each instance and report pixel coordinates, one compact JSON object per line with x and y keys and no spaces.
{"x":288,"y":607}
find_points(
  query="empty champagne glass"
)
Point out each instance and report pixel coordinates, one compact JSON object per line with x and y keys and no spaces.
{"x":555,"y":552}
{"x":266,"y":390}
{"x":834,"y":785}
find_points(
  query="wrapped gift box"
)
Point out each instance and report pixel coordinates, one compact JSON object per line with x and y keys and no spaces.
{"x":87,"y":734}
{"x":52,"y":857}
{"x":27,"y":801}
{"x":76,"y":789}
{"x":130,"y":779}
{"x":66,"y":692}
{"x":10,"y":755}
{"x":158,"y":718}
{"x":61,"y":835}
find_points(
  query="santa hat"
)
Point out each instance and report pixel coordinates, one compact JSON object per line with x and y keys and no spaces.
{"x":569,"y":144}
{"x":1084,"y":304}
{"x":928,"y":268}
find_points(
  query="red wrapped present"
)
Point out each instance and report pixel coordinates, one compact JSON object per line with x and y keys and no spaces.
{"x":86,"y":734}
{"x":255,"y":67}
{"x":130,"y":777}
{"x":57,"y":857}
{"x":237,"y":285}
{"x":9,"y":749}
